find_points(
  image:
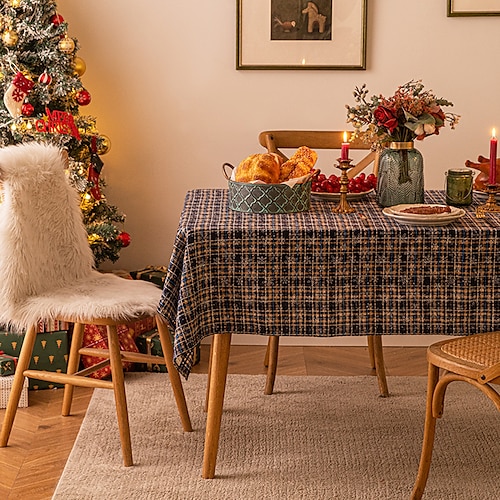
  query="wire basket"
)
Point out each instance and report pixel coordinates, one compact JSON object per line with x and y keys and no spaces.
{"x":267,"y":198}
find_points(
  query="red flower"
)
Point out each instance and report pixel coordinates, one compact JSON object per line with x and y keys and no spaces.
{"x":386,"y":118}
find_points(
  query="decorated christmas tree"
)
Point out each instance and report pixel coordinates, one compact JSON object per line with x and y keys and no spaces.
{"x":40,"y":74}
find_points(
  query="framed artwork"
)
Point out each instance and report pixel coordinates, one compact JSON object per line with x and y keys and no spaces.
{"x":299,"y":34}
{"x":461,"y":8}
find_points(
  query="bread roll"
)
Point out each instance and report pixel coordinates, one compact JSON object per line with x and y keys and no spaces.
{"x":263,"y":167}
{"x":300,"y":164}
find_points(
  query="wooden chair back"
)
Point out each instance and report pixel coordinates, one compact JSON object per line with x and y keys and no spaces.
{"x":274,"y":140}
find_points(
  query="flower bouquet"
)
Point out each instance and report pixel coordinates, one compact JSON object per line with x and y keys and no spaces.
{"x":411,"y":113}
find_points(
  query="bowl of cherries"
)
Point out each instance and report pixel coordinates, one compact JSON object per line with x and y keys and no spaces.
{"x":328,"y":188}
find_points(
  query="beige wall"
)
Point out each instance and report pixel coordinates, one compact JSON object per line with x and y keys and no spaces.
{"x":165,"y":90}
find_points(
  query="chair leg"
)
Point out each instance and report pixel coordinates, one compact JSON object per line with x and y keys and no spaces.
{"x":17,"y":386}
{"x":429,"y":433}
{"x":73,"y":363}
{"x":371,"y":351}
{"x":378,"y":356}
{"x":175,"y":380}
{"x":120,"y":396}
{"x":272,"y":366}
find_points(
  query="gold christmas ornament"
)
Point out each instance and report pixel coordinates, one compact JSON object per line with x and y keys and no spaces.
{"x":9,"y":38}
{"x":66,"y":45}
{"x":79,"y":65}
{"x":104,"y":145}
{"x":15,"y":3}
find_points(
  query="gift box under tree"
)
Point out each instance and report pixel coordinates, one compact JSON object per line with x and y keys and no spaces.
{"x":6,"y":386}
{"x":7,"y":364}
{"x":154,"y":274}
{"x":49,"y":353}
{"x":96,"y":337}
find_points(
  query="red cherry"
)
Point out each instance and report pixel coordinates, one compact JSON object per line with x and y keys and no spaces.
{"x":327,"y":187}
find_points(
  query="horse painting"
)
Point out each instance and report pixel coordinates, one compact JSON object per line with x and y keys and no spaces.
{"x":314,"y":18}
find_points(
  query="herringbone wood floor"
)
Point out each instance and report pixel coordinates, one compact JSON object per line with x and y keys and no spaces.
{"x":41,"y":440}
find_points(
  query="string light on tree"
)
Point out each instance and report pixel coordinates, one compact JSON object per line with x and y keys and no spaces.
{"x":10,"y":38}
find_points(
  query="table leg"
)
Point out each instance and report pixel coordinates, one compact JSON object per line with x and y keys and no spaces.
{"x":221,"y":344}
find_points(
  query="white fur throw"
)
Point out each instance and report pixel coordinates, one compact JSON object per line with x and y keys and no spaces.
{"x":46,"y":264}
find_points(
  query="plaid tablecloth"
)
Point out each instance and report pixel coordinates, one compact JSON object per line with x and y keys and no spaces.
{"x":322,"y":274}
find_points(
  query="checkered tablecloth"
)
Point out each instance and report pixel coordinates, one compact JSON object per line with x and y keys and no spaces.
{"x":323,"y":274}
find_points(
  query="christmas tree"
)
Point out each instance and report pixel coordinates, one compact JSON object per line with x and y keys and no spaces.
{"x":42,"y":94}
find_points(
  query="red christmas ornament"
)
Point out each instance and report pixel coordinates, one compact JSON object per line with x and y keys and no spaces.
{"x":45,"y":78}
{"x":124,"y":239}
{"x":57,"y":19}
{"x":27,"y":109}
{"x":83,"y":97}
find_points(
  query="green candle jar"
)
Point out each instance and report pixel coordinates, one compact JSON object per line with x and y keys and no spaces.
{"x":459,"y":187}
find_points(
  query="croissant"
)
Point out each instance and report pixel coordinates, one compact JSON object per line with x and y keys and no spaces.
{"x":263,"y":167}
{"x":300,"y":164}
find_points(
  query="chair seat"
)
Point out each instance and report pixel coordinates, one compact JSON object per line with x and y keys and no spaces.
{"x":99,"y":296}
{"x":469,"y":356}
{"x":474,"y":359}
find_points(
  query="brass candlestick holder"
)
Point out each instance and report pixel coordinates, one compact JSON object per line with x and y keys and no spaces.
{"x":491,"y":202}
{"x":343,"y":207}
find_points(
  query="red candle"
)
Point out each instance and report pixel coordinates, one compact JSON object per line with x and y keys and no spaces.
{"x":344,"y":153}
{"x":493,"y":158}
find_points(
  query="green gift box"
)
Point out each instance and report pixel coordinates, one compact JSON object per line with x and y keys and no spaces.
{"x":153,"y":274}
{"x":7,"y":364}
{"x":149,"y":343}
{"x":50,"y":353}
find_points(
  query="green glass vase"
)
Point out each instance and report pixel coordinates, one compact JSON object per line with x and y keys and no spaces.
{"x":400,"y":175}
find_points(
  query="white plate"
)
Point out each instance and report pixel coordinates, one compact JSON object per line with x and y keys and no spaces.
{"x":422,"y":219}
{"x":336,"y":196}
{"x":399,"y":210}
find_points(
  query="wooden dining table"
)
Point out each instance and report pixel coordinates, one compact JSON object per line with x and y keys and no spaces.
{"x":321,"y":274}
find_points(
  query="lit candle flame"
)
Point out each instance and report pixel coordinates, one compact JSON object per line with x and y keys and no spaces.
{"x":493,"y":133}
{"x":345,"y":136}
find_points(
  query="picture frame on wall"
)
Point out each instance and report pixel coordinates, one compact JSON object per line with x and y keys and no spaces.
{"x":301,"y":34}
{"x":466,"y":8}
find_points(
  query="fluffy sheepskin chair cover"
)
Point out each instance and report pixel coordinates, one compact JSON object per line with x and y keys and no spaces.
{"x":46,"y":264}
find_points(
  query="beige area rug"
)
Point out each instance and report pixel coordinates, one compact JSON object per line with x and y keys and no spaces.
{"x":315,"y":438}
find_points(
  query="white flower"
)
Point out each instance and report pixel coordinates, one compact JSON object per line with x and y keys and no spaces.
{"x":429,"y":128}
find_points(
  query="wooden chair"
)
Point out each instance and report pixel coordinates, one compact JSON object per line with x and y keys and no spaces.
{"x":474,"y":359}
{"x":273,"y":141}
{"x":46,"y":273}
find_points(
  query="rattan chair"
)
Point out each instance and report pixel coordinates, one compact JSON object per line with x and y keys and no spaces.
{"x":274,"y":141}
{"x":47,"y":273}
{"x":474,"y":359}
